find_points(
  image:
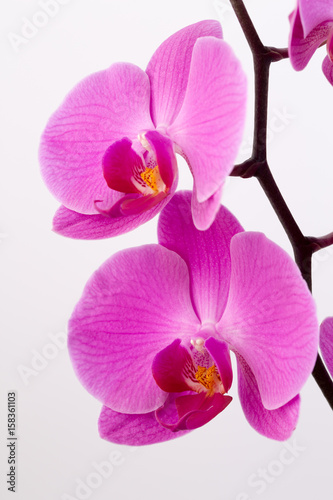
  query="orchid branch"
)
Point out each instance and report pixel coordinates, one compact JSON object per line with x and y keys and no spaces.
{"x":322,"y":242}
{"x":257,"y":166}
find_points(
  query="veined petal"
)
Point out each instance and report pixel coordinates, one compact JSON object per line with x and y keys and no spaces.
{"x":165,"y":156}
{"x":270,"y":318}
{"x":101,"y":109}
{"x":302,"y":48}
{"x":276,"y":424}
{"x":93,"y":227}
{"x":207,"y":253}
{"x":169,"y":67}
{"x":209,"y":126}
{"x":204,"y":213}
{"x":328,"y":69}
{"x":136,"y":429}
{"x":219,"y":351}
{"x":326,"y":343}
{"x":142,"y":204}
{"x":313,"y":13}
{"x":131,"y":308}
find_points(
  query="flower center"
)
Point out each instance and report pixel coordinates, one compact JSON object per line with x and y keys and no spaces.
{"x":207,"y":375}
{"x":209,"y":378}
{"x":153,"y":179}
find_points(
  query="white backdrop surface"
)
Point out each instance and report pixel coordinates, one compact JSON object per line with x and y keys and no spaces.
{"x":43,"y":274}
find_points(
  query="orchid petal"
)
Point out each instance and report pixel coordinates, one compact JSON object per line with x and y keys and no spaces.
{"x":209,"y":126}
{"x":130,"y":310}
{"x":120,"y":161}
{"x":169,"y":67}
{"x":136,"y":429}
{"x":313,"y":13}
{"x":275,"y":424}
{"x":270,"y":318}
{"x":165,"y":156}
{"x":302,"y":48}
{"x":204,"y":213}
{"x":170,"y":366}
{"x":326,"y":343}
{"x":101,"y":109}
{"x":219,"y":351}
{"x":328,"y":69}
{"x":93,"y":227}
{"x":207,"y":253}
{"x":142,"y":204}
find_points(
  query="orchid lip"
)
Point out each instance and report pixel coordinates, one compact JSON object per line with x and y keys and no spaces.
{"x":179,"y":368}
{"x":145,"y":171}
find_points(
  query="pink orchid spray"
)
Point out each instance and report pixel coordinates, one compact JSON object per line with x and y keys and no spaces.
{"x":152,"y":334}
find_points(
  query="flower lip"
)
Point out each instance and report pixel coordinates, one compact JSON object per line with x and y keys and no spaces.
{"x":127,"y":171}
{"x":194,"y":410}
{"x":179,"y":368}
{"x":144,"y":170}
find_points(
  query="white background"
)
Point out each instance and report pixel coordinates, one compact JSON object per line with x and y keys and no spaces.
{"x":43,"y":274}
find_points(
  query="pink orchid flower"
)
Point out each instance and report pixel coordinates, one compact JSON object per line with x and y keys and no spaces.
{"x":108,"y":153}
{"x":326,"y":343}
{"x":311,"y":26}
{"x":152,"y":333}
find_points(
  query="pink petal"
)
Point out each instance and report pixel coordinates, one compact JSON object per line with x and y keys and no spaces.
{"x":169,"y":67}
{"x":219,"y":351}
{"x":302,"y":48}
{"x":328,"y":69}
{"x":276,"y":424}
{"x":204,"y":213}
{"x":170,"y":365}
{"x":135,"y":429}
{"x":101,"y":109}
{"x":92,"y":227}
{"x":206,"y":253}
{"x":165,"y":156}
{"x":209,"y":126}
{"x":270,"y":318}
{"x":313,"y":13}
{"x":326,"y":343}
{"x":141,"y":204}
{"x":120,"y":161}
{"x":131,"y":308}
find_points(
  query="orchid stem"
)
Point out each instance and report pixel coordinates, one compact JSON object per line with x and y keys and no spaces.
{"x":257,"y":166}
{"x":322,"y":242}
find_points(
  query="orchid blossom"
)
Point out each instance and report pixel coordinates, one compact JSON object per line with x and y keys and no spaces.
{"x":108,"y":153}
{"x":326,"y":343}
{"x":152,"y":333}
{"x":311,"y":26}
